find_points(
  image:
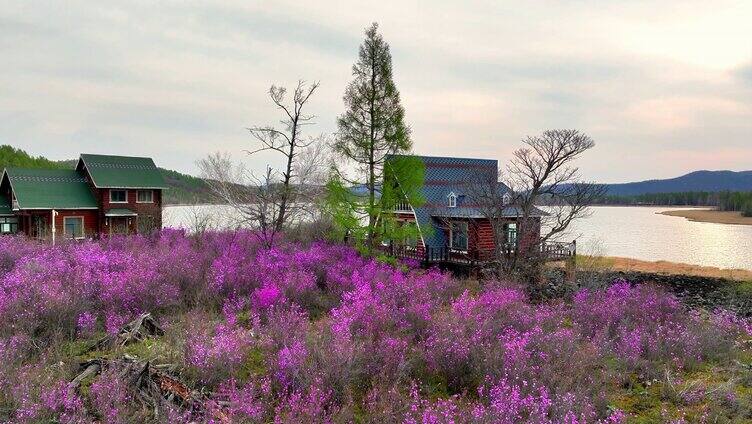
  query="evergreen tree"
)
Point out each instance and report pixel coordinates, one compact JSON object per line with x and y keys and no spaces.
{"x":371,"y":129}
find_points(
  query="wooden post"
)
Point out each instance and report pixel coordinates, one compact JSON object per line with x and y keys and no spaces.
{"x":571,"y":263}
{"x":53,"y":225}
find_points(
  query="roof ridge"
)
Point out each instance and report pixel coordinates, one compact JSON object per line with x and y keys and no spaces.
{"x":446,"y":157}
{"x":116,"y":156}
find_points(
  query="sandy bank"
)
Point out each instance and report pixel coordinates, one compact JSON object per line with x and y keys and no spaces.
{"x":706,"y":215}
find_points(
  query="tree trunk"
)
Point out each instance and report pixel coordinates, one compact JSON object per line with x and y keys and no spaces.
{"x":288,"y":172}
{"x":371,"y":159}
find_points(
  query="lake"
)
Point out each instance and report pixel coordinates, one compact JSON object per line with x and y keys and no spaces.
{"x":642,"y":233}
{"x":631,"y":232}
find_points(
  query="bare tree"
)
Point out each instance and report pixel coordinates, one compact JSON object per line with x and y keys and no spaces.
{"x":255,"y":200}
{"x":492,"y":198}
{"x":310,"y":174}
{"x":199,"y":220}
{"x":540,"y":172}
{"x":288,"y":141}
{"x":271,"y":201}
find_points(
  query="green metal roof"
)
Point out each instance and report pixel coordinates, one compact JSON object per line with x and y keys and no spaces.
{"x":5,"y":206}
{"x":50,"y":189}
{"x":120,"y":212}
{"x":123,"y":171}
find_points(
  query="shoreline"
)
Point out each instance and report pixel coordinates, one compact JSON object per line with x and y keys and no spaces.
{"x":710,"y":215}
{"x":619,"y":264}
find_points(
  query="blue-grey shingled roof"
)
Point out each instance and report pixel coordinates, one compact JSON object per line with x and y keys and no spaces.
{"x":445,"y":175}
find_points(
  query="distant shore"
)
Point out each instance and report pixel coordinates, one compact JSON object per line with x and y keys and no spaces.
{"x":660,"y":267}
{"x":710,"y":215}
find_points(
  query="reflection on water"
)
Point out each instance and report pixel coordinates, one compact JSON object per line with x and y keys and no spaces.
{"x":642,"y":233}
{"x":632,"y":232}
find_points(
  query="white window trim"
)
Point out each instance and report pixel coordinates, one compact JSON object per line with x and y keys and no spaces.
{"x":451,"y":236}
{"x":117,"y":189}
{"x":506,"y":199}
{"x":83,"y":226}
{"x":148,"y":191}
{"x":452,"y":200}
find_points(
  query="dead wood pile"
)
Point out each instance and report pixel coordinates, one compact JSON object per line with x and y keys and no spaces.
{"x":154,"y":386}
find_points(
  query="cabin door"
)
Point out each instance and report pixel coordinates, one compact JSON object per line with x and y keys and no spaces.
{"x":39,"y":227}
{"x":119,"y":225}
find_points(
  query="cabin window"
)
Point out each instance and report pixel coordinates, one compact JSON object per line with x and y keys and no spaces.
{"x":512,"y":233}
{"x":8,"y":225}
{"x":118,"y":196}
{"x":506,"y":199}
{"x":452,"y":200}
{"x":73,"y":227}
{"x":458,"y":235}
{"x":145,"y":196}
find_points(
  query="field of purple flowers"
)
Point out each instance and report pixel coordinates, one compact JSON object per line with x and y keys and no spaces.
{"x":317,"y":333}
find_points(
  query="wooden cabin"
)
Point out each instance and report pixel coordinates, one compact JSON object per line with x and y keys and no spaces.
{"x":453,"y":227}
{"x":103,"y":195}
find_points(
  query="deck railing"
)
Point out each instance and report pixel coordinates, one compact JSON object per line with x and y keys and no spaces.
{"x":403,"y":207}
{"x":550,"y":251}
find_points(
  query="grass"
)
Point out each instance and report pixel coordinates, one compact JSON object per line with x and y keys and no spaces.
{"x":660,"y":401}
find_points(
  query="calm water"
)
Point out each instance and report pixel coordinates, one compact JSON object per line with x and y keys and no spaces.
{"x":632,"y":232}
{"x":641,"y":233}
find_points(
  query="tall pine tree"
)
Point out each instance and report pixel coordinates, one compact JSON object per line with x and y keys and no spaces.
{"x":370,"y":131}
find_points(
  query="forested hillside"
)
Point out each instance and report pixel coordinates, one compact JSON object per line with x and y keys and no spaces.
{"x":708,"y":181}
{"x":183,"y":188}
{"x":12,"y":157}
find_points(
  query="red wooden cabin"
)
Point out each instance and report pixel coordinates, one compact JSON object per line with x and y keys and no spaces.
{"x":451,"y":224}
{"x":103,"y":195}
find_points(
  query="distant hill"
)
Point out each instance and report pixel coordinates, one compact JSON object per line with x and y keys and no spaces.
{"x":184,"y":188}
{"x":12,"y":157}
{"x":706,"y":181}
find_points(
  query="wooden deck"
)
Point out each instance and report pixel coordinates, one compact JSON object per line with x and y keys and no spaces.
{"x":551,"y":251}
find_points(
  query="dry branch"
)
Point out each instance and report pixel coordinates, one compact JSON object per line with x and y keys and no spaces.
{"x":141,"y":328}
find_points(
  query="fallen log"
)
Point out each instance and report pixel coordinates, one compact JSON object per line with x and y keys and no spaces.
{"x":90,"y":369}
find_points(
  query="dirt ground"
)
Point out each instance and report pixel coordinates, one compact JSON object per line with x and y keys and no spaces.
{"x":661,"y":267}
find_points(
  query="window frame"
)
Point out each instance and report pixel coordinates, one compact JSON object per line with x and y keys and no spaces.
{"x":511,"y":233}
{"x":452,"y":200}
{"x":11,"y":222}
{"x":112,"y":190}
{"x":83,"y":229}
{"x":151,"y":196}
{"x":506,"y":198}
{"x":465,"y":230}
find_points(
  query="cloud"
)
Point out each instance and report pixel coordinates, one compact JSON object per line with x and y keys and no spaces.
{"x":177,"y":80}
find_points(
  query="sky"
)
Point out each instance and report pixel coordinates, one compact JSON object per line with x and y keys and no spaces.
{"x":664,"y":88}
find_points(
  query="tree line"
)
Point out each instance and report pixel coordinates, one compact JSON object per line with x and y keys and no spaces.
{"x":736,"y":201}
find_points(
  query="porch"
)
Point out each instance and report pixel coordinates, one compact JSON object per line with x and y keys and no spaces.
{"x":445,"y":255}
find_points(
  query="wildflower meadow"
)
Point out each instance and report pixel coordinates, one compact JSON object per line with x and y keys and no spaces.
{"x":315,"y":332}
